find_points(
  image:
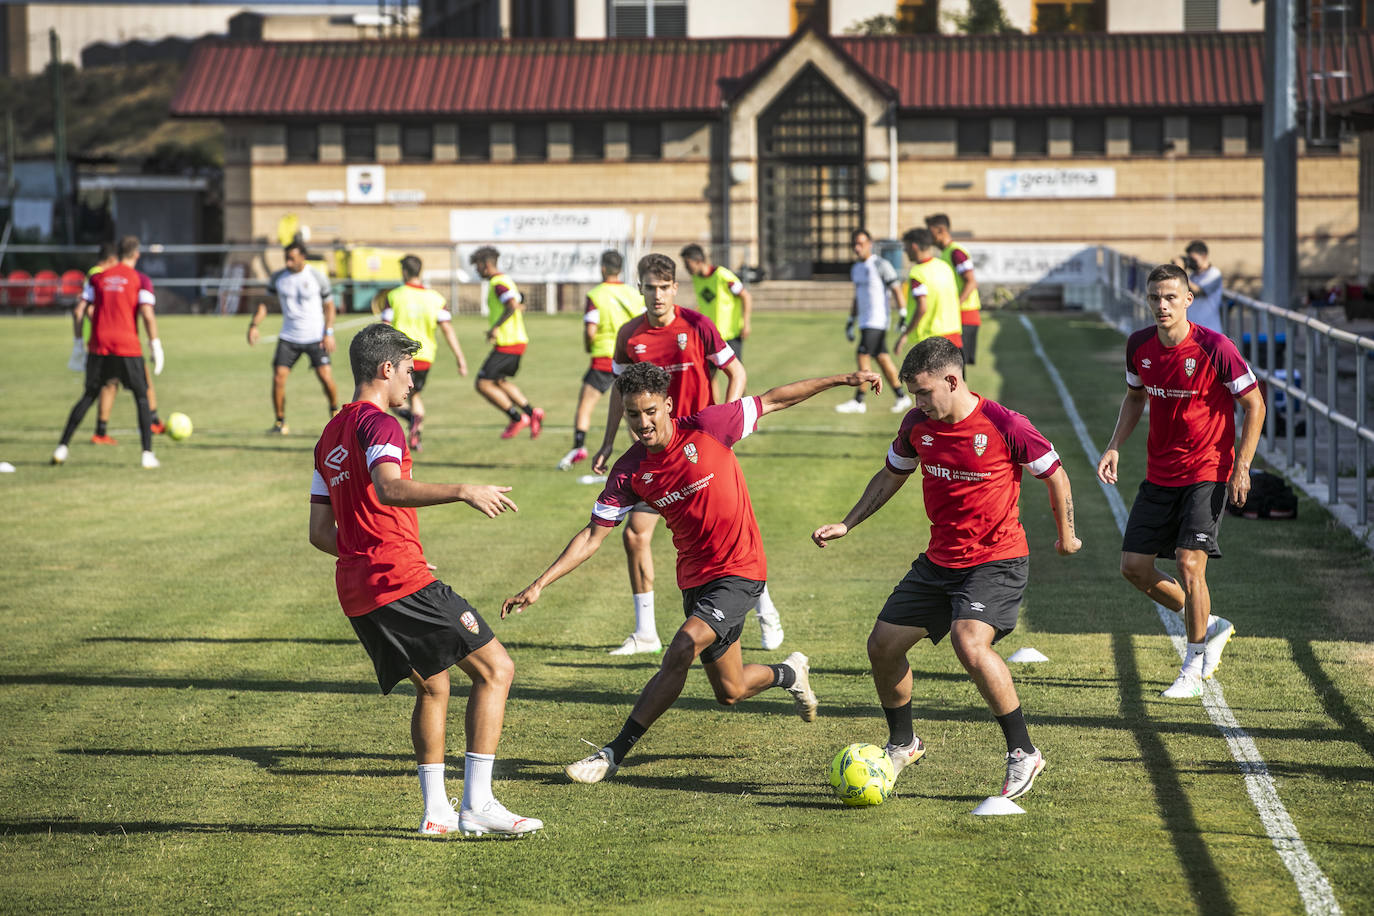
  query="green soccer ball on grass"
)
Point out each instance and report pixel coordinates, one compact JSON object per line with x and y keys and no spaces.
{"x":861,"y":775}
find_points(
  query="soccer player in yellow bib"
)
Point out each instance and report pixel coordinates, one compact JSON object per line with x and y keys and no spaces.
{"x":933,"y":310}
{"x":506,"y":334}
{"x":417,"y":311}
{"x":721,"y":297}
{"x":957,"y":257}
{"x":609,"y":305}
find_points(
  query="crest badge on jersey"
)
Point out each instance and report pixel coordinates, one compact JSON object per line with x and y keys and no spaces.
{"x":469,"y":620}
{"x":980,"y":444}
{"x":682,"y":341}
{"x":690,"y":451}
{"x":1190,"y":366}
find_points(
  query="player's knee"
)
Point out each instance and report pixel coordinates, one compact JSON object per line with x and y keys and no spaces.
{"x":637,"y":542}
{"x":1192,"y":568}
{"x":1135,"y":574}
{"x":882,"y":651}
{"x":728,"y":694}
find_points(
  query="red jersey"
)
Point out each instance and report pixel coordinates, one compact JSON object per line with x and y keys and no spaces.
{"x":684,"y":347}
{"x":380,"y":559}
{"x":972,"y":480}
{"x":698,"y":486}
{"x":116,"y":293}
{"x":1192,"y":388}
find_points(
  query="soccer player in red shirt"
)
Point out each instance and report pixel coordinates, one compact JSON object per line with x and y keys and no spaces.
{"x":970,"y":579}
{"x":684,"y":467}
{"x":1192,"y":378}
{"x":362,"y":510}
{"x":119,"y":296}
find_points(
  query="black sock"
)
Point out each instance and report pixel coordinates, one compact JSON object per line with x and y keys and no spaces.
{"x":629,"y":734}
{"x":405,"y":414}
{"x":514,"y":413}
{"x":897,"y":392}
{"x":100,"y":427}
{"x":900,"y":731}
{"x":528,"y":409}
{"x":1014,"y":728}
{"x":783,"y":675}
{"x":579,"y":438}
{"x":859,"y":395}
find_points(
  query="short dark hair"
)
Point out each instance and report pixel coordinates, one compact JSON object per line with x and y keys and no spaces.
{"x":692,"y":252}
{"x":376,"y":344}
{"x":919,"y":237}
{"x":657,"y":266}
{"x":611,"y":261}
{"x":293,"y":246}
{"x":411,"y":267}
{"x":107,"y":251}
{"x":854,"y":236}
{"x":484,"y":255}
{"x":1197,"y":246}
{"x":128,"y":245}
{"x":1165,"y":272}
{"x":642,"y":378}
{"x":934,"y":354}
{"x":937,"y":219}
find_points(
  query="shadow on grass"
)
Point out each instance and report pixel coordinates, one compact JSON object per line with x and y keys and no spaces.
{"x":36,"y":826}
{"x":1350,"y":723}
{"x":226,"y":640}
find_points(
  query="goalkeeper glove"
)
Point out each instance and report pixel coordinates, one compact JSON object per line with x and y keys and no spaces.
{"x":849,"y":329}
{"x":157,"y":356}
{"x":77,"y":361}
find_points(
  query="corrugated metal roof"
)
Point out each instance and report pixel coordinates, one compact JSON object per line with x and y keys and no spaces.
{"x":571,"y":77}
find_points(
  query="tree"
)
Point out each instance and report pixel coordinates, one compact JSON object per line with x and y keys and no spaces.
{"x":873,"y":25}
{"x":984,"y":17}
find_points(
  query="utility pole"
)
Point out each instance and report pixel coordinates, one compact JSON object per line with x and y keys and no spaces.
{"x":59,"y":138}
{"x":1280,"y":153}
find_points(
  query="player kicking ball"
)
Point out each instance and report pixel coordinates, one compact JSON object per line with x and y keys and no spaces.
{"x":685,"y":469}
{"x":969,"y":582}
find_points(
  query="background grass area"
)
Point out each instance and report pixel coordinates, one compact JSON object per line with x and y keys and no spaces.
{"x":189,"y":722}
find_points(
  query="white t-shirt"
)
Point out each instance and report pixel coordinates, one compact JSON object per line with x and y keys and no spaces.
{"x":302,"y":297}
{"x":1206,"y":308}
{"x":872,"y":279}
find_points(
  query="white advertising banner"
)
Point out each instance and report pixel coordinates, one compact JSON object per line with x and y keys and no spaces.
{"x":366,"y":184}
{"x":493,"y":226}
{"x":545,"y":262}
{"x":1005,"y":184}
{"x":1015,"y":264}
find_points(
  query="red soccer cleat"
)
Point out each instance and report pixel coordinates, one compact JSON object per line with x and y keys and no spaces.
{"x":158,"y":428}
{"x":536,"y":422}
{"x":104,"y":440}
{"x":515,"y":427}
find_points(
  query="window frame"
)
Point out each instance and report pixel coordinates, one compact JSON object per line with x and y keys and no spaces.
{"x":357,"y":130}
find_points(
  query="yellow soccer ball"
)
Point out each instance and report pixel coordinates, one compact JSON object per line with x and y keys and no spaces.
{"x":861,"y":775}
{"x":179,"y":427}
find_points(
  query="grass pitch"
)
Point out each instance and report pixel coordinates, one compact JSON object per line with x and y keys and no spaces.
{"x":190,"y":724}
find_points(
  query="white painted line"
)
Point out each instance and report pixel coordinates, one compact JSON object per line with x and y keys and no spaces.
{"x":1313,"y":887}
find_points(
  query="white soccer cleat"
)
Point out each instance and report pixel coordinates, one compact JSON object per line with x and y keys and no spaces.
{"x":1185,"y":686}
{"x":572,"y":458}
{"x":1022,"y":768}
{"x":592,"y":769}
{"x":494,"y":818}
{"x":439,"y":824}
{"x":770,"y":629}
{"x":59,"y":455}
{"x":1218,"y":635}
{"x":150,"y":461}
{"x":801,"y":688}
{"x":903,"y":756}
{"x":851,"y":406}
{"x":635,"y":645}
{"x":902,"y":405}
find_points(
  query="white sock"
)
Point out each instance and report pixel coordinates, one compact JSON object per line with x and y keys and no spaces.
{"x":1192,"y":662}
{"x":477,"y":780}
{"x":432,"y":790}
{"x":766,"y":608}
{"x":645,"y":628}
{"x":1211,"y":624}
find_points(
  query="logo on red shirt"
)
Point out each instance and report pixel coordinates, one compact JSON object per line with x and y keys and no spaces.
{"x":1189,"y":365}
{"x":648,"y":477}
{"x":980,"y":444}
{"x":682,"y":341}
{"x":690,"y":451}
{"x":335,"y":458}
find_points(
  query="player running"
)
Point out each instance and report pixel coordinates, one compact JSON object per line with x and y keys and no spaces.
{"x":609,"y":305}
{"x":417,"y":311}
{"x":362,"y":510}
{"x":685,"y":468}
{"x":307,"y":329}
{"x":118,"y":296}
{"x":506,"y":334}
{"x":969,"y":581}
{"x":1191,"y":377}
{"x":875,"y":284}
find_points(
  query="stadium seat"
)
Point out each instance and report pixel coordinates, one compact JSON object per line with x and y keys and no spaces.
{"x":73,"y":281}
{"x":45,"y":284}
{"x":18,"y":288}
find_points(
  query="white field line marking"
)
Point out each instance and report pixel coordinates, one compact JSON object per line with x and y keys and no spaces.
{"x":351,"y":323}
{"x":1313,"y":887}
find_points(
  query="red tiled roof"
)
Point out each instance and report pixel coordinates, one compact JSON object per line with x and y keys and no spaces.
{"x":679,"y":76}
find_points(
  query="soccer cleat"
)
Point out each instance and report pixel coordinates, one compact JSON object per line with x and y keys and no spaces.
{"x":902,"y":405}
{"x":494,"y":818}
{"x":150,"y":461}
{"x":592,"y":769}
{"x":1022,"y":768}
{"x":439,"y":824}
{"x":770,"y":629}
{"x":904,"y":755}
{"x":413,"y":441}
{"x":103,"y":440}
{"x":536,"y":422}
{"x":570,"y":459}
{"x":157,"y":428}
{"x":851,"y":406}
{"x":1218,"y":635}
{"x":279,"y":428}
{"x":1185,"y":686}
{"x":801,"y":688}
{"x":59,"y":454}
{"x":635,"y":645}
{"x":515,"y":427}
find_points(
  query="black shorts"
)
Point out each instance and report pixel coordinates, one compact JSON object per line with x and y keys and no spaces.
{"x":737,"y":344}
{"x":288,"y":352}
{"x":723,"y":604}
{"x":933,"y":597}
{"x":127,"y":370}
{"x":970,"y":332}
{"x":872,"y":341}
{"x":1164,"y":519}
{"x":428,"y":631}
{"x":599,"y":379}
{"x":499,"y":365}
{"x":420,"y":376}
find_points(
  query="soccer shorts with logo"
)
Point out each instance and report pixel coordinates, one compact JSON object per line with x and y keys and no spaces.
{"x":428,"y":631}
{"x":1164,"y":519}
{"x":933,"y":597}
{"x":723,"y":604}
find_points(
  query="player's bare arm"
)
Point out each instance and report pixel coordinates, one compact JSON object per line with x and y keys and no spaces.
{"x":735,"y":378}
{"x":395,"y":490}
{"x":579,"y":550}
{"x":1132,"y":409}
{"x":324,"y":533}
{"x":1061,"y":503}
{"x":793,"y":393}
{"x":258,"y":315}
{"x":746,"y":310}
{"x":615,"y":408}
{"x":970,"y":285}
{"x":1252,"y":403}
{"x":446,"y":328}
{"x":879,"y":490}
{"x":329,"y":313}
{"x":510,"y":306}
